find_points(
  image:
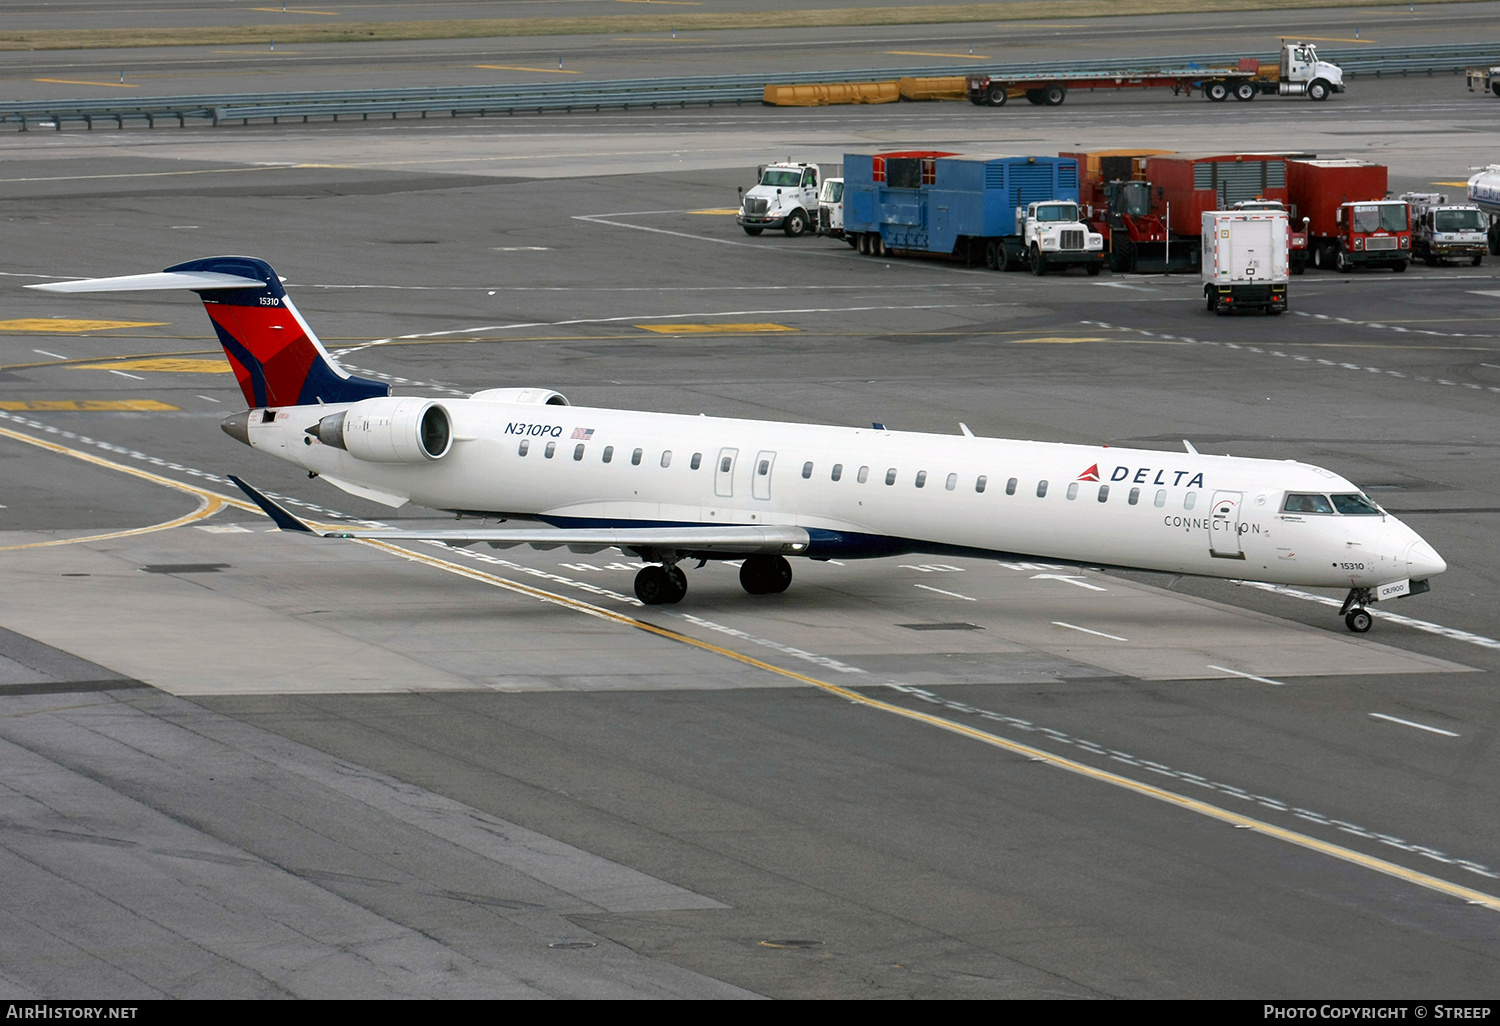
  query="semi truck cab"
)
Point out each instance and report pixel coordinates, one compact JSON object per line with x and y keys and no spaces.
{"x":1302,"y":72}
{"x":780,"y":198}
{"x":1375,"y":233}
{"x":1054,"y":237}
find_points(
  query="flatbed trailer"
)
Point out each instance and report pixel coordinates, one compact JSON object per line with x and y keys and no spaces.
{"x":1299,"y":73}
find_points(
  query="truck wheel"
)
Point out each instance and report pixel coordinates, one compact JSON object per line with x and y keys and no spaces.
{"x":795,"y":223}
{"x":993,"y":259}
{"x":1245,"y":91}
{"x":1398,"y":266}
{"x":1341,"y":261}
{"x":1093,"y":269}
{"x":1477,"y":260}
{"x":1038,"y":265}
{"x":1430,"y":260}
{"x":1211,"y":299}
{"x":996,"y":96}
{"x":1034,"y":97}
{"x":1495,"y":88}
{"x":751,"y":231}
{"x":1318,"y":90}
{"x":1054,"y":95}
{"x":1216,"y":91}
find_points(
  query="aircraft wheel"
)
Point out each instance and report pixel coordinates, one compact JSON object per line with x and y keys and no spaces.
{"x":765,"y":575}
{"x":656,"y":585}
{"x":1359,"y":620}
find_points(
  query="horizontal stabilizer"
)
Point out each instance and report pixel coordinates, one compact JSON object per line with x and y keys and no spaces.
{"x":736,"y":540}
{"x":195,"y":280}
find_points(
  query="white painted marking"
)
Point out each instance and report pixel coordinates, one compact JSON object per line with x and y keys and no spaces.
{"x":1485,"y":292}
{"x":210,"y":398}
{"x":1406,"y":621}
{"x":1075,"y":627}
{"x":1248,"y":676}
{"x":55,"y":356}
{"x":1409,"y":723}
{"x":520,"y":249}
{"x":1072,"y":579}
{"x":940,"y":591}
{"x":1122,"y":285}
{"x":122,"y":374}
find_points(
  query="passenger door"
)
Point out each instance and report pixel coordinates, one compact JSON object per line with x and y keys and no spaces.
{"x":1224,"y":530}
{"x":761,"y":484}
{"x":724,"y":473}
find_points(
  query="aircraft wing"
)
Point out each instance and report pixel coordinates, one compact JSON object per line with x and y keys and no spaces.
{"x":735,"y":540}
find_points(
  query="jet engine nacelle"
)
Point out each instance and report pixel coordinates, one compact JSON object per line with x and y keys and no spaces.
{"x":390,"y":429}
{"x":534,"y":396}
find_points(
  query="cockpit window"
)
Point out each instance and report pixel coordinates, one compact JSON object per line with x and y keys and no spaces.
{"x":1307,"y":504}
{"x":1354,"y":505}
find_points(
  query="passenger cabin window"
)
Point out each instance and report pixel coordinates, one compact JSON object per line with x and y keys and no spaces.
{"x":764,"y":468}
{"x":697,"y":460}
{"x":1010,"y":487}
{"x":666,"y":458}
{"x":609,"y":453}
{"x":551,"y":450}
{"x":578,"y":451}
{"x":921,"y":479}
{"x":1161,"y":498}
{"x":1135,"y":496}
{"x":838,"y":471}
{"x":890,"y":476}
{"x":1072,"y":491}
{"x":725,"y":464}
{"x":1355,"y":505}
{"x":525,"y":447}
{"x":635,"y":458}
{"x":1104,"y":493}
{"x":1307,"y":504}
{"x":864,"y":474}
{"x":1041,"y":489}
{"x":807,"y":471}
{"x":979,"y":485}
{"x":1190,"y":500}
{"x":952,"y":482}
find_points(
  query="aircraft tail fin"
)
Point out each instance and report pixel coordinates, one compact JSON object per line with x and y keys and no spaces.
{"x":275,"y":355}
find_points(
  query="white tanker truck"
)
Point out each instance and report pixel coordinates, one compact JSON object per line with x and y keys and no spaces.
{"x":1484,"y":192}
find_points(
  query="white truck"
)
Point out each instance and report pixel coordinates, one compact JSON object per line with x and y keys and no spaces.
{"x":784,"y":196}
{"x":1245,"y":257}
{"x":1484,"y":192}
{"x":1053,"y":236}
{"x":1442,"y":231}
{"x":831,"y":210}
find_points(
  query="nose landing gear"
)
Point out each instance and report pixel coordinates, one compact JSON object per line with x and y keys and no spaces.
{"x":1356,"y":617}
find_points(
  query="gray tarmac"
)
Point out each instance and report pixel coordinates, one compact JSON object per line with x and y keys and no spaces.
{"x":243,"y":764}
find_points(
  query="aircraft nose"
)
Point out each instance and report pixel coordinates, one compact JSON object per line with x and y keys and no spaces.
{"x":1423,"y":561}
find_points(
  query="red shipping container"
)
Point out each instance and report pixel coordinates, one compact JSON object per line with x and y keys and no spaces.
{"x":1194,"y":185}
{"x":1319,"y":187}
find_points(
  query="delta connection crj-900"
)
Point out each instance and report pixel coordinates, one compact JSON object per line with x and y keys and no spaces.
{"x":670,"y":488}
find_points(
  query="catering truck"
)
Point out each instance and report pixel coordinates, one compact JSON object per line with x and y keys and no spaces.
{"x":1483,"y":191}
{"x":1006,"y":212}
{"x":1244,"y":260}
{"x":1300,"y":73}
{"x":785,"y":196}
{"x":1443,"y":231}
{"x":1351,"y":222}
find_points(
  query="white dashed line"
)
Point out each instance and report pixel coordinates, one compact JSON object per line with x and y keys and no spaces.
{"x":1075,"y":627}
{"x":1409,"y":723}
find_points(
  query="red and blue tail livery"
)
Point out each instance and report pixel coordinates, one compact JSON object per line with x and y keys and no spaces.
{"x":276,"y":357}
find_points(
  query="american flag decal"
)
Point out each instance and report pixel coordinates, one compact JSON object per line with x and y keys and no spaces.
{"x":583,"y":433}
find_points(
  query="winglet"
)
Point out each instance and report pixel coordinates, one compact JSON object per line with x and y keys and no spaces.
{"x":1189,"y":447}
{"x":279,"y":514}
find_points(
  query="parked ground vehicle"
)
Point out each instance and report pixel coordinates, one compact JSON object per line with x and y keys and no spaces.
{"x":1116,"y":201}
{"x":1299,"y":73}
{"x":1485,"y":78}
{"x":1007,"y":212}
{"x":1351,"y":223}
{"x":1244,"y":260}
{"x":1186,"y":186}
{"x":1296,"y":233}
{"x":1483,"y":191}
{"x":831,"y":208}
{"x":1442,"y":231}
{"x":785,"y":196}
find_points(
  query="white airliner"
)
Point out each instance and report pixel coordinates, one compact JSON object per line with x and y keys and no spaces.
{"x":668,"y":488}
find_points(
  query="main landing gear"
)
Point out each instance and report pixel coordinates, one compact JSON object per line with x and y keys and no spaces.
{"x":665,"y":583}
{"x":1356,"y":617}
